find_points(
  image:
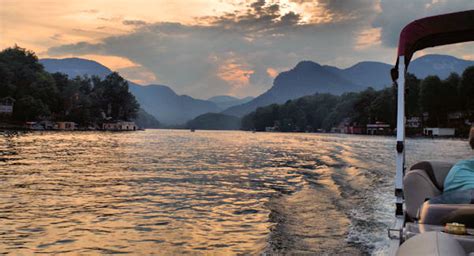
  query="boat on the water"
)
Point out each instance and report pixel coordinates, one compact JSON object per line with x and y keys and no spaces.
{"x":428,"y":221}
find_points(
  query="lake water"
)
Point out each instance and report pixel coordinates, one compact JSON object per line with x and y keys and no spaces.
{"x":207,"y":192}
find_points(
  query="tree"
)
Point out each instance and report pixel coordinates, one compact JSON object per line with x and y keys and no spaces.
{"x":112,"y":97}
{"x":412,"y":84}
{"x":40,"y":94}
{"x":450,"y":93}
{"x":430,"y":100}
{"x":362,"y":106}
{"x":382,"y":108}
{"x":30,"y":109}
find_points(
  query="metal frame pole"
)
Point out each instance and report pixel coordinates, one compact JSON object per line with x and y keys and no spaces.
{"x":397,"y":228}
{"x":400,"y":158}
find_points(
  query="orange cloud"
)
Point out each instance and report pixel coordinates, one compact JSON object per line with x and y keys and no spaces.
{"x":235,"y":74}
{"x":468,"y":56}
{"x":127,"y":68}
{"x":112,"y":62}
{"x":368,"y":38}
{"x":138,"y":74}
{"x":272,"y":72}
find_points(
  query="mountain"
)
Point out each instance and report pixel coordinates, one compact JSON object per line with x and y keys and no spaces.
{"x":75,"y":67}
{"x":167,"y":106}
{"x":306,"y":78}
{"x":366,"y":74}
{"x":440,"y":65}
{"x":158,"y":100}
{"x":145,"y":120}
{"x":214,"y":121}
{"x":224,"y":101}
{"x":309,"y":77}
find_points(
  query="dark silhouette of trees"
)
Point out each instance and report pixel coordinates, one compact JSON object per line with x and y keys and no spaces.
{"x":41,"y":95}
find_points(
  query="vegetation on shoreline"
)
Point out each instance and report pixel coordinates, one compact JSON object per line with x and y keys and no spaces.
{"x":214,"y":121}
{"x":86,"y":101}
{"x":432,"y":96}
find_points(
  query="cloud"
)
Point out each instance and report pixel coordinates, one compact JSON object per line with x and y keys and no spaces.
{"x":90,"y":11}
{"x":368,"y":38}
{"x":272,"y":72}
{"x":134,"y":22}
{"x":395,"y":14}
{"x":238,"y":52}
{"x":56,"y":37}
{"x":137,"y":74}
{"x":236,"y":73}
{"x":233,"y":52}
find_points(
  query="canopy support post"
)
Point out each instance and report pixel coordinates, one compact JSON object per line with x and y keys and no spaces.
{"x":395,"y":232}
{"x":400,"y":158}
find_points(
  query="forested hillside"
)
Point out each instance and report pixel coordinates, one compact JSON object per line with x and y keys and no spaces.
{"x":432,"y":96}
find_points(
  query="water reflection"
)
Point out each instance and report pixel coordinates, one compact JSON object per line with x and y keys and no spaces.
{"x":175,"y":192}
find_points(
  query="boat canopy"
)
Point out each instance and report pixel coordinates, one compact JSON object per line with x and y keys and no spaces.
{"x":434,"y":31}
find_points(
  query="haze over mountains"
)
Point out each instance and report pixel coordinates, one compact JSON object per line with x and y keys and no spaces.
{"x":305,"y":78}
{"x":225,"y":101}
{"x":158,"y":100}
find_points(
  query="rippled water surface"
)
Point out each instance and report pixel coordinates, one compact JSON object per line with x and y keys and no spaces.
{"x":174,"y":192}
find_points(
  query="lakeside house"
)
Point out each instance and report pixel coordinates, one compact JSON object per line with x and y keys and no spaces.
{"x":49,"y":125}
{"x":72,"y":126}
{"x":271,"y":129}
{"x":413,"y":122}
{"x":439,"y":132}
{"x":34,"y":126}
{"x":379,"y":128}
{"x":65,"y":126}
{"x":354,"y":129}
{"x":119,"y":126}
{"x":6,"y":105}
{"x":347,"y":127}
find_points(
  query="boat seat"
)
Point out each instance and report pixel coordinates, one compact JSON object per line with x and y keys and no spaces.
{"x":441,"y":214}
{"x":431,"y":243}
{"x":423,"y":181}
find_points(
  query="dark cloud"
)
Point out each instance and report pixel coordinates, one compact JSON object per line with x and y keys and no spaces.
{"x":340,"y":10}
{"x":56,"y":37}
{"x":134,"y":22}
{"x":395,"y":14}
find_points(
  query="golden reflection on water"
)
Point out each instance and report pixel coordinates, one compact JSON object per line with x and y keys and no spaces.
{"x":174,"y":192}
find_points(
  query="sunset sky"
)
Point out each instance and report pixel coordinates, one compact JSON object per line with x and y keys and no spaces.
{"x":211,"y":47}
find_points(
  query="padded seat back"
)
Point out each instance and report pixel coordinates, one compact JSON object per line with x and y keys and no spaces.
{"x":441,"y":214}
{"x":436,"y":171}
{"x":424,"y":180}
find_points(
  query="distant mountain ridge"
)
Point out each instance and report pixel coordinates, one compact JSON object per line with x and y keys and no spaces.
{"x":308,"y":77}
{"x":225,"y":101}
{"x":169,"y":107}
{"x":75,"y":67}
{"x":158,"y":100}
{"x":305,"y":78}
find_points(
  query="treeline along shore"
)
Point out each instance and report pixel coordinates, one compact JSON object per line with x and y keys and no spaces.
{"x":29,"y":94}
{"x":430,"y":102}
